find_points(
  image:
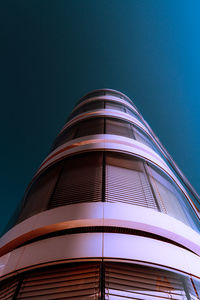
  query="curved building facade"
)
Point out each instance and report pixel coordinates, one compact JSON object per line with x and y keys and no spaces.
{"x":108,"y":214}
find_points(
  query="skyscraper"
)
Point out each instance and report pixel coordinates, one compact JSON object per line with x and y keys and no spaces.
{"x":108,"y":215}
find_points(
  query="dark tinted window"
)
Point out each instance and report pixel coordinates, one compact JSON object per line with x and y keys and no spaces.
{"x":89,"y":127}
{"x":87,"y":107}
{"x":96,"y":126}
{"x":80,"y":180}
{"x":83,"y":128}
{"x":118,"y":127}
{"x":37,"y":198}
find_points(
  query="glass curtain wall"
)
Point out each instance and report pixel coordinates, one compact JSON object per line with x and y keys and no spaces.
{"x":83,"y":281}
{"x":108,"y":177}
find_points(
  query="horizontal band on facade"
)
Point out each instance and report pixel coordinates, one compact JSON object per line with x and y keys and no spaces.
{"x":106,"y":113}
{"x":110,"y":98}
{"x":39,"y":236}
{"x":106,"y":92}
{"x":105,"y":104}
{"x":108,"y":246}
{"x":77,"y":216}
{"x":104,"y":141}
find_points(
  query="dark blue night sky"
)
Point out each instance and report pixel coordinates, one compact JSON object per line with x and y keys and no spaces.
{"x":53,"y":52}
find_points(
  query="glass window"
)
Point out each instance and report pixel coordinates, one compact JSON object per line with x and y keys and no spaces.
{"x":80,"y":180}
{"x":125,"y":281}
{"x":118,"y":127}
{"x":82,"y":128}
{"x":143,"y":138}
{"x":171,"y":200}
{"x":127,"y":182}
{"x":67,"y":135}
{"x":114,"y":105}
{"x":133,"y":114}
{"x":93,"y":105}
{"x":64,"y":282}
{"x":89,"y":127}
{"x":37,"y":198}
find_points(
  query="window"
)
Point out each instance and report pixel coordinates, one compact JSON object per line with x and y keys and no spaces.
{"x":80,"y":180}
{"x":93,"y":105}
{"x":127,"y":182}
{"x":171,"y":200}
{"x":125,"y":281}
{"x":39,"y":193}
{"x":118,"y":127}
{"x":89,"y":127}
{"x":80,"y":281}
{"x":83,"y":128}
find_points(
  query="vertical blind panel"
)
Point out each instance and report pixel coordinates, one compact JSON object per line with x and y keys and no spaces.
{"x":40,"y":192}
{"x":126,"y":182}
{"x":80,"y":180}
{"x":75,"y":282}
{"x":7,"y":290}
{"x":167,"y":196}
{"x":134,"y":282}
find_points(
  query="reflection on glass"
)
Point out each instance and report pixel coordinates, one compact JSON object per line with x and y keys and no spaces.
{"x":171,"y":200}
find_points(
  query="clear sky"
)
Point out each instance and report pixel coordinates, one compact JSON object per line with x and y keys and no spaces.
{"x":53,"y":52}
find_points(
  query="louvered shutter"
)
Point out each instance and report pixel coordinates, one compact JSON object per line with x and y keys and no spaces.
{"x":77,"y":282}
{"x":7,"y":290}
{"x":80,"y":180}
{"x":136,"y":282}
{"x":40,"y":192}
{"x":127,"y":182}
{"x":89,"y":127}
{"x":115,"y":126}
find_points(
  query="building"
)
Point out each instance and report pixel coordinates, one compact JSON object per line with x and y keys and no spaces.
{"x":108,"y":215}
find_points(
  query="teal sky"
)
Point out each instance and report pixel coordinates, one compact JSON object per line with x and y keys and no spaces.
{"x":53,"y":52}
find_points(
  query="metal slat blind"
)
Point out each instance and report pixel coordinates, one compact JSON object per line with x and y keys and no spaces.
{"x":127,"y":182}
{"x":118,"y":127}
{"x":136,"y":282}
{"x":75,"y":282}
{"x":89,"y":127}
{"x":8,"y":289}
{"x":80,"y":180}
{"x":40,"y":192}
